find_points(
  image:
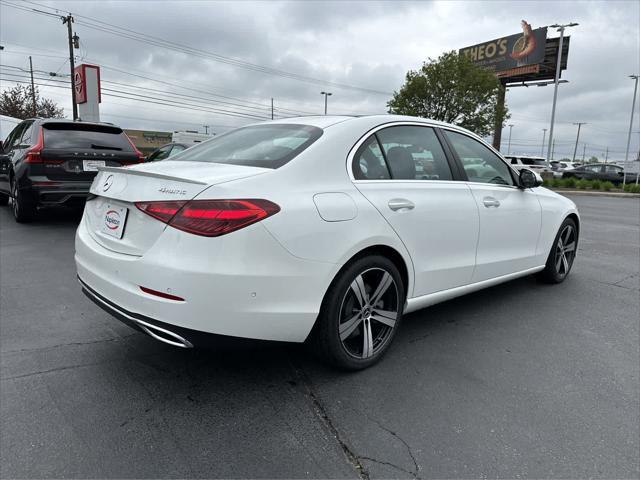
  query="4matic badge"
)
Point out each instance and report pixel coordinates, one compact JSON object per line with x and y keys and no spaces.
{"x":172,"y":191}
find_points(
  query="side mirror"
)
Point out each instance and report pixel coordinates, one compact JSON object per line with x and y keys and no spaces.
{"x":529,"y":179}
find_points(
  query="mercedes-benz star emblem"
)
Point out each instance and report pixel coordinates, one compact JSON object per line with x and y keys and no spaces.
{"x":107,"y":183}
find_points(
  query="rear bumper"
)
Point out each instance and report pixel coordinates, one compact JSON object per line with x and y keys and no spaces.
{"x":243,"y":285}
{"x":52,"y":192}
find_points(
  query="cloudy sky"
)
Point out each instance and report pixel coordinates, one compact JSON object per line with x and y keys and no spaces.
{"x":226,"y":60}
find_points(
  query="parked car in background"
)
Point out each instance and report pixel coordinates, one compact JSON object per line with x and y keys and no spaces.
{"x":52,"y":162}
{"x":167,"y":151}
{"x":327,"y":227}
{"x":605,"y":172}
{"x":560,"y":166}
{"x":536,"y":164}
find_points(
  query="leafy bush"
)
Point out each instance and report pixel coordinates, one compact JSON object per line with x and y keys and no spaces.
{"x":634,"y":188}
{"x":607,"y":186}
{"x":582,"y":184}
{"x":627,"y":187}
{"x":546,"y":183}
{"x":595,"y":184}
{"x":557,"y":182}
{"x":569,"y":182}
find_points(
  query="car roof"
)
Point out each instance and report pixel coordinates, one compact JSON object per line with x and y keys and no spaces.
{"x":43,"y":121}
{"x":325,"y":121}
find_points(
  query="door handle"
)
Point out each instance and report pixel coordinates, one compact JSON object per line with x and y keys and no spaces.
{"x":400,"y":204}
{"x":490,"y":202}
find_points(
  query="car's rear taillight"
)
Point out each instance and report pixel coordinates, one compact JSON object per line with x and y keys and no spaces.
{"x":210,"y":218}
{"x":34,"y":154}
{"x":138,"y":152}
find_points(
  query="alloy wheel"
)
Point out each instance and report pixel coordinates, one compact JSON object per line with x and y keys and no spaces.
{"x":368,"y":313}
{"x":14,"y":198}
{"x":565,"y":250}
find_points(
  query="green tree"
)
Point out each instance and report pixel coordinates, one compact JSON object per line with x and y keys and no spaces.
{"x":454,"y":90}
{"x":593,"y":159}
{"x":17,"y":102}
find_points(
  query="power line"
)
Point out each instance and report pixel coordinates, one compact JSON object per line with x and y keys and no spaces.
{"x":110,"y":28}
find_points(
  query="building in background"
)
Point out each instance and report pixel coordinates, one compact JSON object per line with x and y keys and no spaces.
{"x":147,"y":140}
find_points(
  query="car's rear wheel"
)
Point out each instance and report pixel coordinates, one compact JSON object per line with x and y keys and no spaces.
{"x":563,"y":253}
{"x":360,"y":314}
{"x":23,"y":207}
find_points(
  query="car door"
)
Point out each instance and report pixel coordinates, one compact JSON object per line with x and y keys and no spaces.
{"x":613,"y":173}
{"x":10,"y":148}
{"x":510,"y":217}
{"x":404,"y":172}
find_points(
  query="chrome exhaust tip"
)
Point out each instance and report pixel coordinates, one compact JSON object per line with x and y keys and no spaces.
{"x":163,"y":335}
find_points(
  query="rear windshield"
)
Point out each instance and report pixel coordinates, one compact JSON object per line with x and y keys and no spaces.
{"x":533,"y":161}
{"x":267,"y":146}
{"x":85,"y":137}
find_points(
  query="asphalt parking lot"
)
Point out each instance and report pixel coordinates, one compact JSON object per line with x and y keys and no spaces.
{"x":521,"y":380}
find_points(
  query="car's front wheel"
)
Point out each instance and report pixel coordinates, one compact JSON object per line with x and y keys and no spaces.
{"x":563,"y":253}
{"x":360,"y":314}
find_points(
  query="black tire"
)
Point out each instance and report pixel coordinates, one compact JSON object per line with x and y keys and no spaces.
{"x":366,"y":333}
{"x":23,"y":207}
{"x":562,"y":254}
{"x":4,"y":199}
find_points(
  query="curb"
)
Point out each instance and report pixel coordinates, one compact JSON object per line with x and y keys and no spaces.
{"x":597,"y":194}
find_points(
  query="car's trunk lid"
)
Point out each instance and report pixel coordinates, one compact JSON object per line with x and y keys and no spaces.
{"x":116,"y":190}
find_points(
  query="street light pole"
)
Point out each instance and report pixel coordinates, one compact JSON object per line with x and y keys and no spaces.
{"x":509,"y":147}
{"x":33,"y":90}
{"x":633,"y":106}
{"x":577,"y":138}
{"x":326,"y":94}
{"x":555,"y":88}
{"x":544,"y":134}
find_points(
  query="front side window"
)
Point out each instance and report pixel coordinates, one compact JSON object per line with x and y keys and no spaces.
{"x":593,"y":168}
{"x":613,"y":169}
{"x":266,"y":146}
{"x":414,"y":153}
{"x":480,"y":164}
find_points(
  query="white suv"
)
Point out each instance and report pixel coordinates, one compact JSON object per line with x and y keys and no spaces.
{"x":537,"y":164}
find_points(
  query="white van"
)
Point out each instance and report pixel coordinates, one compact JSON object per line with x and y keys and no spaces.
{"x":189,"y":137}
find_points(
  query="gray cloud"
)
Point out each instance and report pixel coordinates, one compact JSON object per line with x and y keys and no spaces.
{"x":367,"y":44}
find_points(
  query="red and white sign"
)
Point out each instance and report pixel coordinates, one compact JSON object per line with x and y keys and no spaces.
{"x":86,"y":80}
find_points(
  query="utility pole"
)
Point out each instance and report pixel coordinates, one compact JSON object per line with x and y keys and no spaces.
{"x":633,"y":106}
{"x":326,"y":94}
{"x":555,"y":88}
{"x":272,"y":108}
{"x":606,"y":155}
{"x":206,"y":129}
{"x":553,"y":149}
{"x":33,"y":90}
{"x":577,"y":138}
{"x":584,"y":149}
{"x":509,"y":147}
{"x":544,"y":134}
{"x":69,"y":20}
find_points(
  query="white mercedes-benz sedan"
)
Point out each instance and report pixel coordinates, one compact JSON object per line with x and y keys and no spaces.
{"x":326,"y":229}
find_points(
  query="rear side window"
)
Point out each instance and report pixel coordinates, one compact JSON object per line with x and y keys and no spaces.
{"x":76,"y":136}
{"x":414,"y":153}
{"x":534,"y":161}
{"x":267,"y":146}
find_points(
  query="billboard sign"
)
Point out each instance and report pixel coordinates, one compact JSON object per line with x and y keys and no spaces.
{"x":514,"y":52}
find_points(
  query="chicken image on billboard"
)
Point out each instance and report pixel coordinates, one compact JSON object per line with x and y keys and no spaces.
{"x":506,"y":53}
